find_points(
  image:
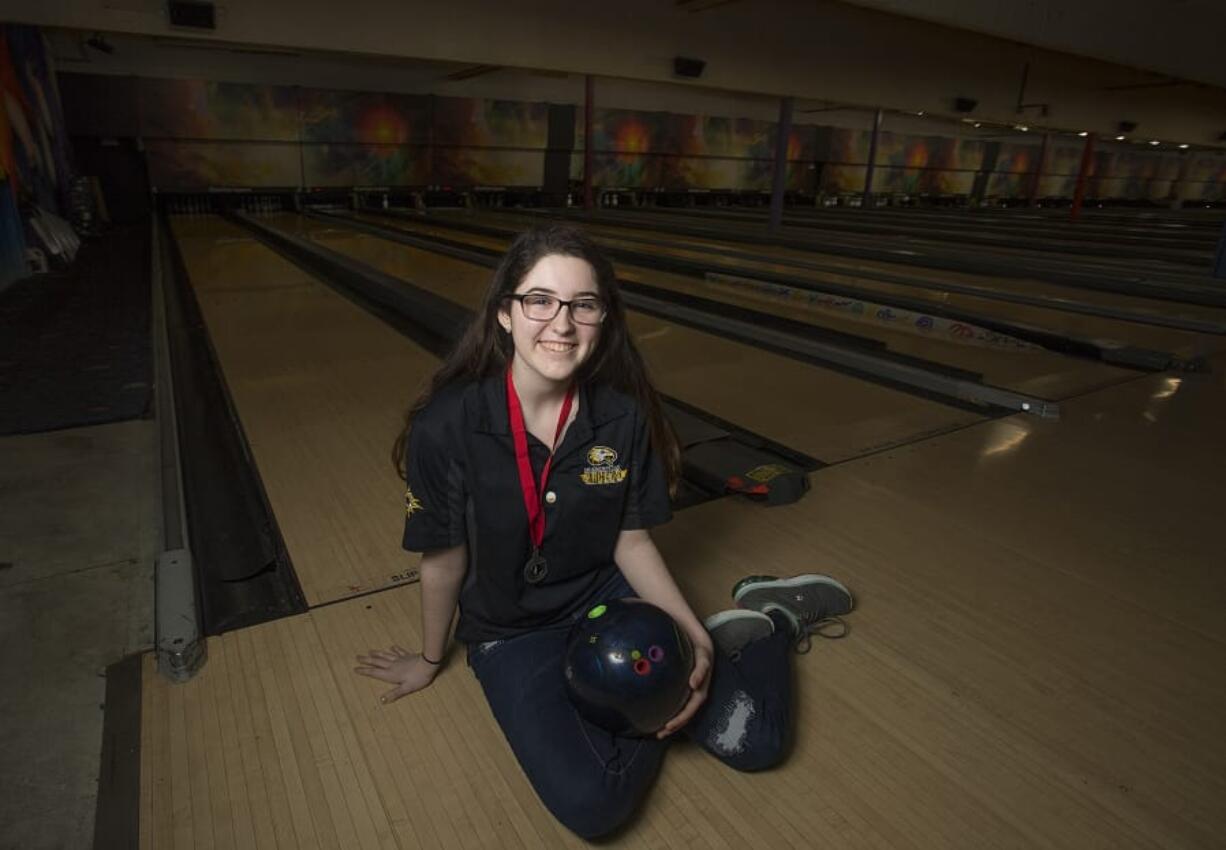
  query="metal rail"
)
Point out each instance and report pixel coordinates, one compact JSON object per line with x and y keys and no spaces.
{"x":181,"y":649}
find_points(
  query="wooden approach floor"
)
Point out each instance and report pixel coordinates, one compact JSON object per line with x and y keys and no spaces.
{"x":1031,"y":666}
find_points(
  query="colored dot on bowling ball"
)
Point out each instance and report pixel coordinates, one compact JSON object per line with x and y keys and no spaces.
{"x":625,"y":694}
{"x":597,"y":611}
{"x":656,"y":654}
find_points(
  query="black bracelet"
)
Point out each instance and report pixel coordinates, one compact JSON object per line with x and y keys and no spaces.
{"x":428,"y":661}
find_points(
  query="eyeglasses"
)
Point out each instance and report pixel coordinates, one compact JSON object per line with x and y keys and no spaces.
{"x":540,"y":307}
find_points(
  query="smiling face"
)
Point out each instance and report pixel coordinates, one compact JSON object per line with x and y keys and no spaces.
{"x":549,"y":353}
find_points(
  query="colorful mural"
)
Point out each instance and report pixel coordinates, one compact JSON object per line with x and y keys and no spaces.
{"x":335,"y":165}
{"x":197,"y":109}
{"x":192,"y":166}
{"x":470,"y":166}
{"x":471,"y":122}
{"x":652,"y":150}
{"x":371,"y":118}
{"x":203,"y":134}
{"x":1013,"y":171}
{"x":904,"y":164}
{"x":34,"y":147}
{"x":1127,"y":174}
{"x":313,"y":137}
{"x":364,"y":138}
{"x":1206,"y":178}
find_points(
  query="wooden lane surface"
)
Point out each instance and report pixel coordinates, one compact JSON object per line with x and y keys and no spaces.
{"x":320,"y":387}
{"x":1067,"y":243}
{"x":905,"y":246}
{"x":1182,"y":342}
{"x":1030,"y":666}
{"x":820,"y":412}
{"x":1017,"y":222}
{"x":1008,"y":364}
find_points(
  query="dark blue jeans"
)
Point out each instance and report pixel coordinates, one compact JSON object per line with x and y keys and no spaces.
{"x":593,"y":781}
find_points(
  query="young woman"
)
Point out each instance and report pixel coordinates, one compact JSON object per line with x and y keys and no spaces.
{"x":535,"y":463}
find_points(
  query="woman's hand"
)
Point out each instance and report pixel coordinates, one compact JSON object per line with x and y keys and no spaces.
{"x":700,"y":682}
{"x":408,"y":671}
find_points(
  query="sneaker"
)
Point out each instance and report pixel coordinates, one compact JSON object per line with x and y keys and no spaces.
{"x":731,"y":630}
{"x":814,"y":604}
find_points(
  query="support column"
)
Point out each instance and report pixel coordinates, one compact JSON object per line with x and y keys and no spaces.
{"x":987,"y":166}
{"x":1087,"y":157}
{"x":1032,"y":196}
{"x":1175,"y":196}
{"x":1219,"y":261}
{"x":559,"y":153}
{"x":867,"y":199}
{"x":588,"y":108}
{"x":779,"y":183}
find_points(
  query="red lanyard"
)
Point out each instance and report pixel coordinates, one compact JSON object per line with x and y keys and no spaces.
{"x":527,"y":483}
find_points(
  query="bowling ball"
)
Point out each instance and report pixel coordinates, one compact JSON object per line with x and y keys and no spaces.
{"x":628,"y":667}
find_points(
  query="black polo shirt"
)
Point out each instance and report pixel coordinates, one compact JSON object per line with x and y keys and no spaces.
{"x":463,"y":487}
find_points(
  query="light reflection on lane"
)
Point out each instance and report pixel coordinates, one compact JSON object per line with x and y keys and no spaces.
{"x":1170,"y":386}
{"x":1003,"y":437}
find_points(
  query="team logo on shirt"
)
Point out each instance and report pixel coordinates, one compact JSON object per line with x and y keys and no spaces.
{"x":411,"y":503}
{"x":602,"y":467}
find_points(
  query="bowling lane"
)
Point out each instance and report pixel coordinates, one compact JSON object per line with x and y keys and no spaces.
{"x":1002,"y":361}
{"x":1079,"y":250}
{"x":1015,"y":224}
{"x":640,"y":226}
{"x":320,"y":387}
{"x":823,"y":413}
{"x":1041,"y":256}
{"x":931,"y":286}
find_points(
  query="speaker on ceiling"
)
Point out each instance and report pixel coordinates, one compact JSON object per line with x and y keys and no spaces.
{"x":965,"y":104}
{"x":192,"y":14}
{"x":1127,"y":126}
{"x":686,"y":67}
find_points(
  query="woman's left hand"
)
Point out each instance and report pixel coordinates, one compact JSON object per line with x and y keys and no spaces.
{"x":700,"y":683}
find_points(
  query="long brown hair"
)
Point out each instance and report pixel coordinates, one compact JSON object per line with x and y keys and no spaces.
{"x":485,"y":350}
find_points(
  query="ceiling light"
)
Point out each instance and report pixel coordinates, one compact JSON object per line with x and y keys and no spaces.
{"x":1184,"y":146}
{"x":1120,"y":138}
{"x":977,"y":125}
{"x":1083,"y":134}
{"x":920,"y":113}
{"x":1154,"y":142}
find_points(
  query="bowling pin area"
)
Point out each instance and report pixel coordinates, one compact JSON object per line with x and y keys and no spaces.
{"x":1020,"y":478}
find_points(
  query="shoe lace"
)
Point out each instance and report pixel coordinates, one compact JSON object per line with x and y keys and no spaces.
{"x":829,"y":628}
